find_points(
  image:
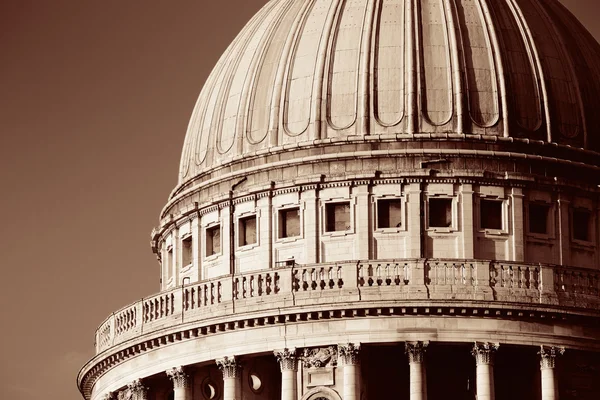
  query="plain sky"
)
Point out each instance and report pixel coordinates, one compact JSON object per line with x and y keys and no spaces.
{"x":95,"y":97}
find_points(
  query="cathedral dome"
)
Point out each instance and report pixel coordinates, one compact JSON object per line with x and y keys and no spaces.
{"x":313,"y":72}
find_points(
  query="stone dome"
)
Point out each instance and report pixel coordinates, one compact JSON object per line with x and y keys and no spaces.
{"x":309,"y":72}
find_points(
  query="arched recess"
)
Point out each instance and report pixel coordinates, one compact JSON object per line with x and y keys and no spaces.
{"x":321,"y":393}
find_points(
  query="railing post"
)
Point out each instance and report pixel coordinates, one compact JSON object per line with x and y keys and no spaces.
{"x":284,"y":284}
{"x":417,"y":279}
{"x":548,"y":293}
{"x":483,"y":276}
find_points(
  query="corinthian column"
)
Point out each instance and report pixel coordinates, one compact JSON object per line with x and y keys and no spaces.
{"x":182,"y":387}
{"x":484,"y":359}
{"x":418,"y":373}
{"x":137,"y":390}
{"x":232,"y":372}
{"x":288,"y":363}
{"x":349,"y":355}
{"x":547,"y":364}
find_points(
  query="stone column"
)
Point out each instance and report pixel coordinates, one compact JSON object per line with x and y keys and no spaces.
{"x":484,"y":359}
{"x":109,"y":396}
{"x":182,"y":387}
{"x":137,"y":390}
{"x":232,"y":373}
{"x":288,"y":363}
{"x":418,"y":373}
{"x":547,"y":364}
{"x":349,"y":355}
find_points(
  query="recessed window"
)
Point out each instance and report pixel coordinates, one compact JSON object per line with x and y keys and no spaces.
{"x":186,"y":251}
{"x":169,"y":260}
{"x":337,"y":217}
{"x":289,"y":222}
{"x":213,"y":240}
{"x":581,"y":225}
{"x":247,"y":230}
{"x":440,"y":213}
{"x":538,"y":218}
{"x":490,"y":214}
{"x":389,"y":213}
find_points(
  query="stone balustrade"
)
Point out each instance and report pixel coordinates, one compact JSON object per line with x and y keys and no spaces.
{"x":426,"y":280}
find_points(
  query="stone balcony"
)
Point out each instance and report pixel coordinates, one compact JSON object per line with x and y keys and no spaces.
{"x":354,"y":288}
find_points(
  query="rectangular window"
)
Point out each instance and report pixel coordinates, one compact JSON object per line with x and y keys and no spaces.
{"x":538,"y":218}
{"x":490,"y":214}
{"x":213,"y":240}
{"x":247,"y":230}
{"x":337,"y":217}
{"x":440,"y":213}
{"x":186,"y":251}
{"x":389,"y":213}
{"x":289,"y":222}
{"x":581,"y":225}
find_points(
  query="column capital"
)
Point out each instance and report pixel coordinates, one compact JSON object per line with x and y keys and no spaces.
{"x":288,"y":361}
{"x":415,"y":351}
{"x":548,"y":356}
{"x":349,"y":353}
{"x":230,"y":366}
{"x":484,"y":352}
{"x":109,"y":396}
{"x":179,"y":377}
{"x":137,"y":390}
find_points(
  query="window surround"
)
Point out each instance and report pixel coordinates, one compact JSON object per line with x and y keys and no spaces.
{"x":550,"y":234}
{"x":187,"y":237}
{"x":590,"y":242}
{"x":393,"y":229}
{"x":323,"y":214}
{"x":277,"y":222}
{"x":238,"y":232}
{"x":210,"y":226}
{"x":503,"y":218}
{"x":454,"y":210}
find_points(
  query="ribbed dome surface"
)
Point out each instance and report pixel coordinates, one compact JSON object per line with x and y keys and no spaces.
{"x":302,"y":71}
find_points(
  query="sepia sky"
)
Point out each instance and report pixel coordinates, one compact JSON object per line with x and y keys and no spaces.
{"x":95,"y":97}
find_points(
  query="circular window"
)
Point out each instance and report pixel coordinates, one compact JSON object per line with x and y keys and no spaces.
{"x":209,"y":389}
{"x":255,"y":382}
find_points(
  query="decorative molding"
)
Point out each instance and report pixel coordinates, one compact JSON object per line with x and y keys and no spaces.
{"x":484,"y":352}
{"x":548,"y":356}
{"x":180,"y":379}
{"x":230,"y":367}
{"x":320,"y":357}
{"x":415,"y":351}
{"x":349,"y":353}
{"x":288,"y":361}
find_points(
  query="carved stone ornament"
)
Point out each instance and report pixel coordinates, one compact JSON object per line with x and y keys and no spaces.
{"x":109,"y":396}
{"x":320,"y":357}
{"x":179,"y":377}
{"x":230,"y":367}
{"x":287,"y":359}
{"x":415,"y":351}
{"x":349,"y":353}
{"x":548,"y":356}
{"x":484,"y":352}
{"x":135,"y":391}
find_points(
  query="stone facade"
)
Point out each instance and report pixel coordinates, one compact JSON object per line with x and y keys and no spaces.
{"x":375,"y":198}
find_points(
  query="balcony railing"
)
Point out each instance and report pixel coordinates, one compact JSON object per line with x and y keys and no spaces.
{"x":355,"y":281}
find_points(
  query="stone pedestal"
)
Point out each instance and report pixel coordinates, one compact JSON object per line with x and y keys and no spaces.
{"x":288,"y":363}
{"x":548,"y":371}
{"x":418,"y":372}
{"x":484,"y":359}
{"x":232,"y":388}
{"x":349,"y":356}
{"x":182,"y":387}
